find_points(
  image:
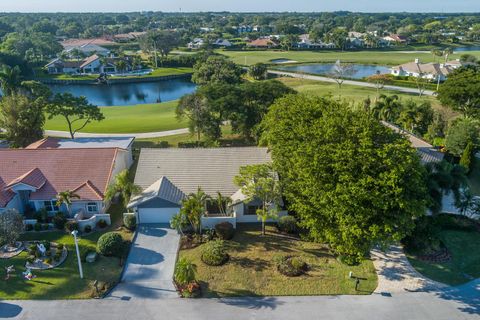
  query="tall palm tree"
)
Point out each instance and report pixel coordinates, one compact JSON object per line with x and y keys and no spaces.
{"x":10,"y":79}
{"x":124,"y":186}
{"x":436,"y":53}
{"x":194,"y":207}
{"x":66,"y":197}
{"x":388,"y":107}
{"x":446,"y":52}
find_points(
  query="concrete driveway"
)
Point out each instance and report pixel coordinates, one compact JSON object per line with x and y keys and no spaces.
{"x":150,"y":264}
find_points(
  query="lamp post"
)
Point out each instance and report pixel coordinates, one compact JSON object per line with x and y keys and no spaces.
{"x":74,"y":233}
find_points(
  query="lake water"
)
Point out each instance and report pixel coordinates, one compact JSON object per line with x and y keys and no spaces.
{"x":126,"y":94}
{"x":360,"y":70}
{"x":465,"y":49}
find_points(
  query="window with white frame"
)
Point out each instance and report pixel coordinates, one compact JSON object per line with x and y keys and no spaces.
{"x":92,"y":207}
{"x":50,"y":206}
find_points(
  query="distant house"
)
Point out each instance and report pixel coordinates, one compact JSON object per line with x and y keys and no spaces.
{"x":431,"y":71}
{"x":306,"y":43}
{"x":262,"y":43}
{"x":197,"y":43}
{"x":244,"y":29}
{"x":167,"y":176}
{"x":80,"y":42}
{"x":396,"y":38}
{"x":94,"y":64}
{"x":123,"y":144}
{"x":87,"y":50}
{"x":128,"y":37}
{"x":30,"y":180}
{"x":222,"y":43}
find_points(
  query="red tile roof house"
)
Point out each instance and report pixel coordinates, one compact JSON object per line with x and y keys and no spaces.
{"x":30,"y":179}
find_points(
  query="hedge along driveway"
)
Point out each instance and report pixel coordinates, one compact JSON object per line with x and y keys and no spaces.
{"x":129,"y":119}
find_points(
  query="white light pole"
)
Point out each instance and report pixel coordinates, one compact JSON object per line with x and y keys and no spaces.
{"x":74,"y":233}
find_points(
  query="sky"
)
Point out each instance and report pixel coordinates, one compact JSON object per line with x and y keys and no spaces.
{"x":239,"y":5}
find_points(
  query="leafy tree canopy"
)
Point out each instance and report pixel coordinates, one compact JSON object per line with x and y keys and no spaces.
{"x":460,"y":133}
{"x":216,"y":69}
{"x":353,"y":182}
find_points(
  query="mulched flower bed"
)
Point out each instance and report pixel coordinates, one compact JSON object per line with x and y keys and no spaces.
{"x":441,"y":256}
{"x":7,"y":251}
{"x":47,"y":262}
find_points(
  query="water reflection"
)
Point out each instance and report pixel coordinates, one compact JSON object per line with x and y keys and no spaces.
{"x":360,"y":70}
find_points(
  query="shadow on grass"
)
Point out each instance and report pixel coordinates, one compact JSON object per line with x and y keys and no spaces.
{"x":245,"y":262}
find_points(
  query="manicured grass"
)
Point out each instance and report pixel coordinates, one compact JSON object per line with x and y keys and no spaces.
{"x":62,"y":282}
{"x":159,"y":72}
{"x":366,"y":57}
{"x":130,"y":119}
{"x":465,"y":263}
{"x":357,"y":94}
{"x":251,"y":271}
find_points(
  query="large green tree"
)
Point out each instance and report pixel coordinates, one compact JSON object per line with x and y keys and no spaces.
{"x":461,"y":91}
{"x":159,"y":42}
{"x":353,"y":182}
{"x":10,"y":79}
{"x":216,"y":69}
{"x":22,"y":118}
{"x":460,"y":133}
{"x":76,"y":111}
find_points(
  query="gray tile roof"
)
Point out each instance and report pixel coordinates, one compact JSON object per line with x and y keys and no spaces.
{"x":212,"y":169}
{"x":163,"y":189}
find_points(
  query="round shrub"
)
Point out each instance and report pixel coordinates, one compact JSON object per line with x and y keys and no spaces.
{"x":101,"y":224}
{"x":214,"y":253}
{"x":87,"y":229}
{"x":225,"y":230}
{"x":28,"y":227}
{"x":71,"y":225}
{"x":290,"y":266}
{"x":59,"y":221}
{"x":37,"y":226}
{"x":130,"y":221}
{"x":110,"y":244}
{"x":287,"y":224}
{"x":45,"y":226}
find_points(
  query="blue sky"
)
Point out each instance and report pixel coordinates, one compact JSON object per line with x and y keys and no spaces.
{"x":241,"y":5}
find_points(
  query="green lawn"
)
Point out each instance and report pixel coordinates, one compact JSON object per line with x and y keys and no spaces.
{"x":465,"y":263}
{"x":251,"y":271}
{"x":367,"y":57}
{"x":130,"y":119}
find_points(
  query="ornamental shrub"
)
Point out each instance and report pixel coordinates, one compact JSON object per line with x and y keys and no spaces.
{"x":71,"y":225}
{"x":290,"y":266}
{"x":37,"y":226}
{"x":214,"y":253}
{"x":130,"y":221}
{"x":59,"y":221}
{"x":184,"y":271}
{"x":225,"y":230}
{"x":287,"y":224}
{"x":110,"y":244}
{"x":101,"y":224}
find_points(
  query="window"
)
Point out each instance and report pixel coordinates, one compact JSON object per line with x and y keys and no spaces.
{"x":252,"y":210}
{"x":51,"y":206}
{"x":92,"y":207}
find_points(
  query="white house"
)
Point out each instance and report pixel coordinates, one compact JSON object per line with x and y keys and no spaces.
{"x":167,"y":176}
{"x":197,"y":43}
{"x":222,"y":43}
{"x":30,"y":180}
{"x":431,"y":71}
{"x":95,"y":64}
{"x":87,"y":49}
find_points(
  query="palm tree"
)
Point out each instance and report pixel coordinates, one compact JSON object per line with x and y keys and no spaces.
{"x":194,"y":207}
{"x":446,"y":53}
{"x":388,"y":107}
{"x":121,"y":65}
{"x":10,"y":79}
{"x":137,"y":62}
{"x":123,"y":186}
{"x":436,"y":53}
{"x":66,"y":197}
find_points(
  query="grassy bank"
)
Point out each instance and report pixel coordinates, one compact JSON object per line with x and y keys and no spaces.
{"x":364,"y":57}
{"x":130,"y":119}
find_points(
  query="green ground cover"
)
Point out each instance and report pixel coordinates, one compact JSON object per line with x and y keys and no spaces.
{"x":365,"y":57}
{"x":130,"y":119}
{"x":252,"y":272}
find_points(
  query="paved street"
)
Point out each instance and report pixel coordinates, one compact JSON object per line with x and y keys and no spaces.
{"x":149,"y":268}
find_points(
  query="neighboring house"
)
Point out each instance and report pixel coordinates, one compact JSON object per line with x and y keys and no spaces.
{"x":262,"y":43}
{"x":222,"y":43}
{"x":167,"y":176}
{"x":128,"y":37}
{"x":396,"y":38}
{"x":197,"y":43}
{"x":87,"y":50}
{"x":94,"y":64}
{"x":306,"y":43}
{"x":123,"y":144}
{"x":431,"y":71}
{"x":30,"y":180}
{"x":427,"y":153}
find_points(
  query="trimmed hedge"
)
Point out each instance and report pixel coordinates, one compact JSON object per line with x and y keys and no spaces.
{"x":225,"y":230}
{"x":110,"y":244}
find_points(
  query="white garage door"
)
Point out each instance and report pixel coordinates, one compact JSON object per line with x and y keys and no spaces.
{"x":156,"y":215}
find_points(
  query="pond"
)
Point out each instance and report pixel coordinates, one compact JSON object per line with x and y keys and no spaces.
{"x":126,"y":94}
{"x":360,"y":70}
{"x":465,"y":49}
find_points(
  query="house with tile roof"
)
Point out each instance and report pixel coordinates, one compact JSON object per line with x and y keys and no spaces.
{"x":94,"y":64}
{"x":431,"y":71}
{"x":167,"y":176}
{"x":30,"y":179}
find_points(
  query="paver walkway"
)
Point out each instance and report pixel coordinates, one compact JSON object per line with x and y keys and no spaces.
{"x":397,"y":275}
{"x":149,"y":267}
